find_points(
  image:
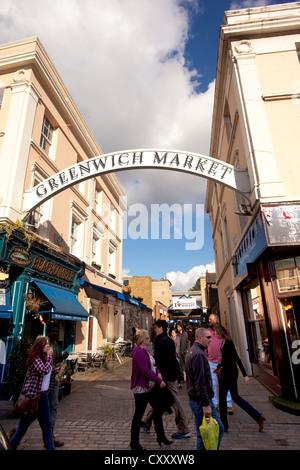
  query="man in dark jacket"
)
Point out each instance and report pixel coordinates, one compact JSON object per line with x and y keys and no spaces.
{"x":166,"y":362}
{"x":199,"y":384}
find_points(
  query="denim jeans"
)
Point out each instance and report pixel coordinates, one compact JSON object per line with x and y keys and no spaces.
{"x":53,"y":404}
{"x":229,"y":382}
{"x":43,"y":416}
{"x":198,"y":414}
{"x":214,"y":378}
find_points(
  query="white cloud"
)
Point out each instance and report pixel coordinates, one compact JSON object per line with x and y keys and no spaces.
{"x":184,"y":281}
{"x":239,"y":4}
{"x":123,"y":63}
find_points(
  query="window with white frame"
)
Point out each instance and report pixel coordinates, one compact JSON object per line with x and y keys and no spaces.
{"x":227,"y":120}
{"x":78,"y":216}
{"x":96,"y":247}
{"x":80,"y":186}
{"x":46,"y":136}
{"x":39,"y":220}
{"x":98,"y":199}
{"x":2,"y":91}
{"x":112,"y":254}
{"x":113,"y":219}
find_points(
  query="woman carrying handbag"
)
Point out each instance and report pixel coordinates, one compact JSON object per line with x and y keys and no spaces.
{"x":146,"y":382}
{"x":37,"y":382}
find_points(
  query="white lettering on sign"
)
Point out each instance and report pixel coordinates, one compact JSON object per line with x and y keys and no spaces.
{"x":192,"y":163}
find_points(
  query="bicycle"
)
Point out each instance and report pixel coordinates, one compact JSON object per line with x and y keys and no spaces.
{"x":4,"y":441}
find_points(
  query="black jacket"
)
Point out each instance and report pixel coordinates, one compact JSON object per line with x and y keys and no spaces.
{"x":198,"y":377}
{"x":165,"y":357}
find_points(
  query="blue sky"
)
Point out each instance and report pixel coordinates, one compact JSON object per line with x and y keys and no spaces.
{"x":142,"y":75}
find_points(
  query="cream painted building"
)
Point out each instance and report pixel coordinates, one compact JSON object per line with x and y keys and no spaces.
{"x":256,"y":238}
{"x":79,"y":231}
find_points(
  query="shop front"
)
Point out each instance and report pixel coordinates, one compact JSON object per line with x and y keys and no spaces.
{"x":113,"y":315}
{"x":266,"y":267}
{"x":37,"y":286}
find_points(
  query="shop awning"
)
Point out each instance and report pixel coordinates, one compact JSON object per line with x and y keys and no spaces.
{"x":65,"y":304}
{"x":89,"y":287}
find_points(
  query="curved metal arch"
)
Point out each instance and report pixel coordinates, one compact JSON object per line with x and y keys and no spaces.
{"x":176,"y":160}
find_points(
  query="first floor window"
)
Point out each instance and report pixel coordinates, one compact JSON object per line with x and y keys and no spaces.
{"x":46,"y":136}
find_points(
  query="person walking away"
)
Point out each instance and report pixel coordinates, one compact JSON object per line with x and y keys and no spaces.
{"x":229,"y":377}
{"x":166,"y":361}
{"x":145,"y":382}
{"x":191,"y":335}
{"x":214,"y":357}
{"x":39,"y":370}
{"x":184,"y":346}
{"x":58,"y":357}
{"x":199,"y":385}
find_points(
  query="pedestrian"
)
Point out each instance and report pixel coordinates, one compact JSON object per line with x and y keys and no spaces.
{"x":176,"y":339}
{"x":228,"y":379}
{"x":38,"y":374}
{"x":134,"y":332}
{"x":146,"y":382}
{"x":58,"y":358}
{"x":184,"y":346}
{"x":199,"y":384}
{"x":191,"y":335}
{"x":166,"y":361}
{"x":214,"y":357}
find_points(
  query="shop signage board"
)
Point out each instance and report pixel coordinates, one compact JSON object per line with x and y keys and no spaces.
{"x":187,"y":162}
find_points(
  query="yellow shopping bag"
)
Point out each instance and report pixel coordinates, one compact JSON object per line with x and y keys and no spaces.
{"x":209,"y":431}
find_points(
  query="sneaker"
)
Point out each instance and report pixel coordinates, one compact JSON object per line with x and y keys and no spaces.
{"x":181,"y":435}
{"x":145,"y":427}
{"x":230,"y":410}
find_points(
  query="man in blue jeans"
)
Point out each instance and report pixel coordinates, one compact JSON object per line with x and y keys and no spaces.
{"x":199,"y":384}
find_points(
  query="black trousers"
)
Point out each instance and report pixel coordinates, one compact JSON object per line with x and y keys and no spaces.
{"x":229,"y":382}
{"x":141,"y":401}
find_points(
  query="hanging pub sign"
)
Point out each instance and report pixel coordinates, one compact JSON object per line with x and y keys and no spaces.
{"x":20,"y":256}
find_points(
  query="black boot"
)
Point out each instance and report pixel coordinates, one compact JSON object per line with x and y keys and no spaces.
{"x":164,"y":440}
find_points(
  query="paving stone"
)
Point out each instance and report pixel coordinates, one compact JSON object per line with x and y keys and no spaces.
{"x":97,"y":416}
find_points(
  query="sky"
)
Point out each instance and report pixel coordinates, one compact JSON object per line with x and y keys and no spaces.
{"x":142,"y":74}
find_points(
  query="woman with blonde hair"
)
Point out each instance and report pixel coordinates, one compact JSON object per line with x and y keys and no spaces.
{"x":146,"y":380}
{"x":228,"y":375}
{"x":37,"y":382}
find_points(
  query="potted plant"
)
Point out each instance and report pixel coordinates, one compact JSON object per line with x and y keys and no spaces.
{"x":109,"y":356}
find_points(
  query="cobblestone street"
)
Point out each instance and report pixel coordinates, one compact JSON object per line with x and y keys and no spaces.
{"x":97,"y":416}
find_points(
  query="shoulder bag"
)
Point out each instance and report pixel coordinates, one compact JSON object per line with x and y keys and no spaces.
{"x":26,"y":405}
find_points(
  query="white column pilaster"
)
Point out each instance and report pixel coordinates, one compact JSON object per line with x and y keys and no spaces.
{"x":16,"y":145}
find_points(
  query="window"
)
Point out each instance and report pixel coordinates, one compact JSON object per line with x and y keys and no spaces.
{"x":287,"y":271}
{"x":2,"y":91}
{"x":39,"y":220}
{"x":74,"y":236}
{"x":112,"y":259}
{"x":227,"y":120}
{"x":46,"y":136}
{"x":113,"y":219}
{"x":96,"y":247}
{"x":78,"y":216}
{"x":98,"y":199}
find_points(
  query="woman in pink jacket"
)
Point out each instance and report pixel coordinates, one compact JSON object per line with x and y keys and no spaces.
{"x":146,"y":381}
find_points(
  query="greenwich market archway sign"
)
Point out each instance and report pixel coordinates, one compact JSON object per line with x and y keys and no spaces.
{"x":186,"y":162}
